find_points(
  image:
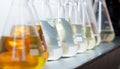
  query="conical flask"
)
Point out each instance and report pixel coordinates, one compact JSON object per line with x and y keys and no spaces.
{"x":0,"y":44}
{"x":38,"y":26}
{"x":49,"y":30}
{"x":88,"y":28}
{"x":64,"y":31}
{"x":92,"y":2}
{"x":95,"y":5}
{"x":104,"y":21}
{"x":20,"y":42}
{"x":93,"y":21}
{"x":77,"y":26}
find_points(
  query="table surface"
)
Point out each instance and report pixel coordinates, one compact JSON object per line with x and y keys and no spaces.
{"x":80,"y":59}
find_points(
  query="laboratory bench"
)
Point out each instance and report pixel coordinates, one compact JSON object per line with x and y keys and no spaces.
{"x":104,"y":56}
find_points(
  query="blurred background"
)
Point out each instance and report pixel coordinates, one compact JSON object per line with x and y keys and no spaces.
{"x":4,"y":8}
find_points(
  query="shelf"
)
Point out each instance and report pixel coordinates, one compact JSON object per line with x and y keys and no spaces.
{"x":83,"y":58}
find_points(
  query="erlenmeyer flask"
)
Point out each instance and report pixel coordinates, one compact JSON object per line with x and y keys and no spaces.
{"x":38,"y":26}
{"x":93,"y":21}
{"x":0,"y":45}
{"x":49,"y":30}
{"x":92,"y":2}
{"x":77,"y":26}
{"x":95,"y":5}
{"x":65,"y":31}
{"x":88,"y":28}
{"x":20,"y":42}
{"x":104,"y":21}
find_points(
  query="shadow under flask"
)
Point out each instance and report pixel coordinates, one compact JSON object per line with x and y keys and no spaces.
{"x":20,"y":42}
{"x":39,"y":29}
{"x":104,"y":21}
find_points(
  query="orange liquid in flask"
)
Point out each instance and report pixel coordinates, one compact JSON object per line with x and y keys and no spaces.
{"x":43,"y":41}
{"x":21,"y":52}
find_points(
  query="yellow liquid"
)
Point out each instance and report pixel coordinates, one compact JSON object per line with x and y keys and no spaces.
{"x":36,"y":62}
{"x":43,"y":41}
{"x":30,"y":30}
{"x":107,"y":35}
{"x":98,"y":39}
{"x":65,"y":48}
{"x":20,"y":30}
{"x":97,"y":36}
{"x":90,"y":37}
{"x":82,"y":43}
{"x":74,"y":29}
{"x":17,"y":54}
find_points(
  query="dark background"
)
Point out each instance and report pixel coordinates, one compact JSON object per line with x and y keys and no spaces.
{"x":114,"y":10}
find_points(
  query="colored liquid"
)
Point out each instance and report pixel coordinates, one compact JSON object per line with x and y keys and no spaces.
{"x":30,"y":30}
{"x":20,"y":30}
{"x":90,"y":37}
{"x":107,"y":35}
{"x":79,"y":37}
{"x":97,"y":35}
{"x":21,"y":53}
{"x":98,"y":39}
{"x":46,"y":54}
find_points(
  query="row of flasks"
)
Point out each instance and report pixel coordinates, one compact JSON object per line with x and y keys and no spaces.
{"x":78,"y":25}
{"x":40,"y":30}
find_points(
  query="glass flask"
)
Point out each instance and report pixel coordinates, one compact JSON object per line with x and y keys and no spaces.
{"x":77,"y":26}
{"x":104,"y":21}
{"x":39,"y":29}
{"x":92,"y":2}
{"x":88,"y":28}
{"x":21,"y":46}
{"x":0,"y":43}
{"x":96,"y":2}
{"x":93,"y":21}
{"x":65,"y":32}
{"x":49,"y":30}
